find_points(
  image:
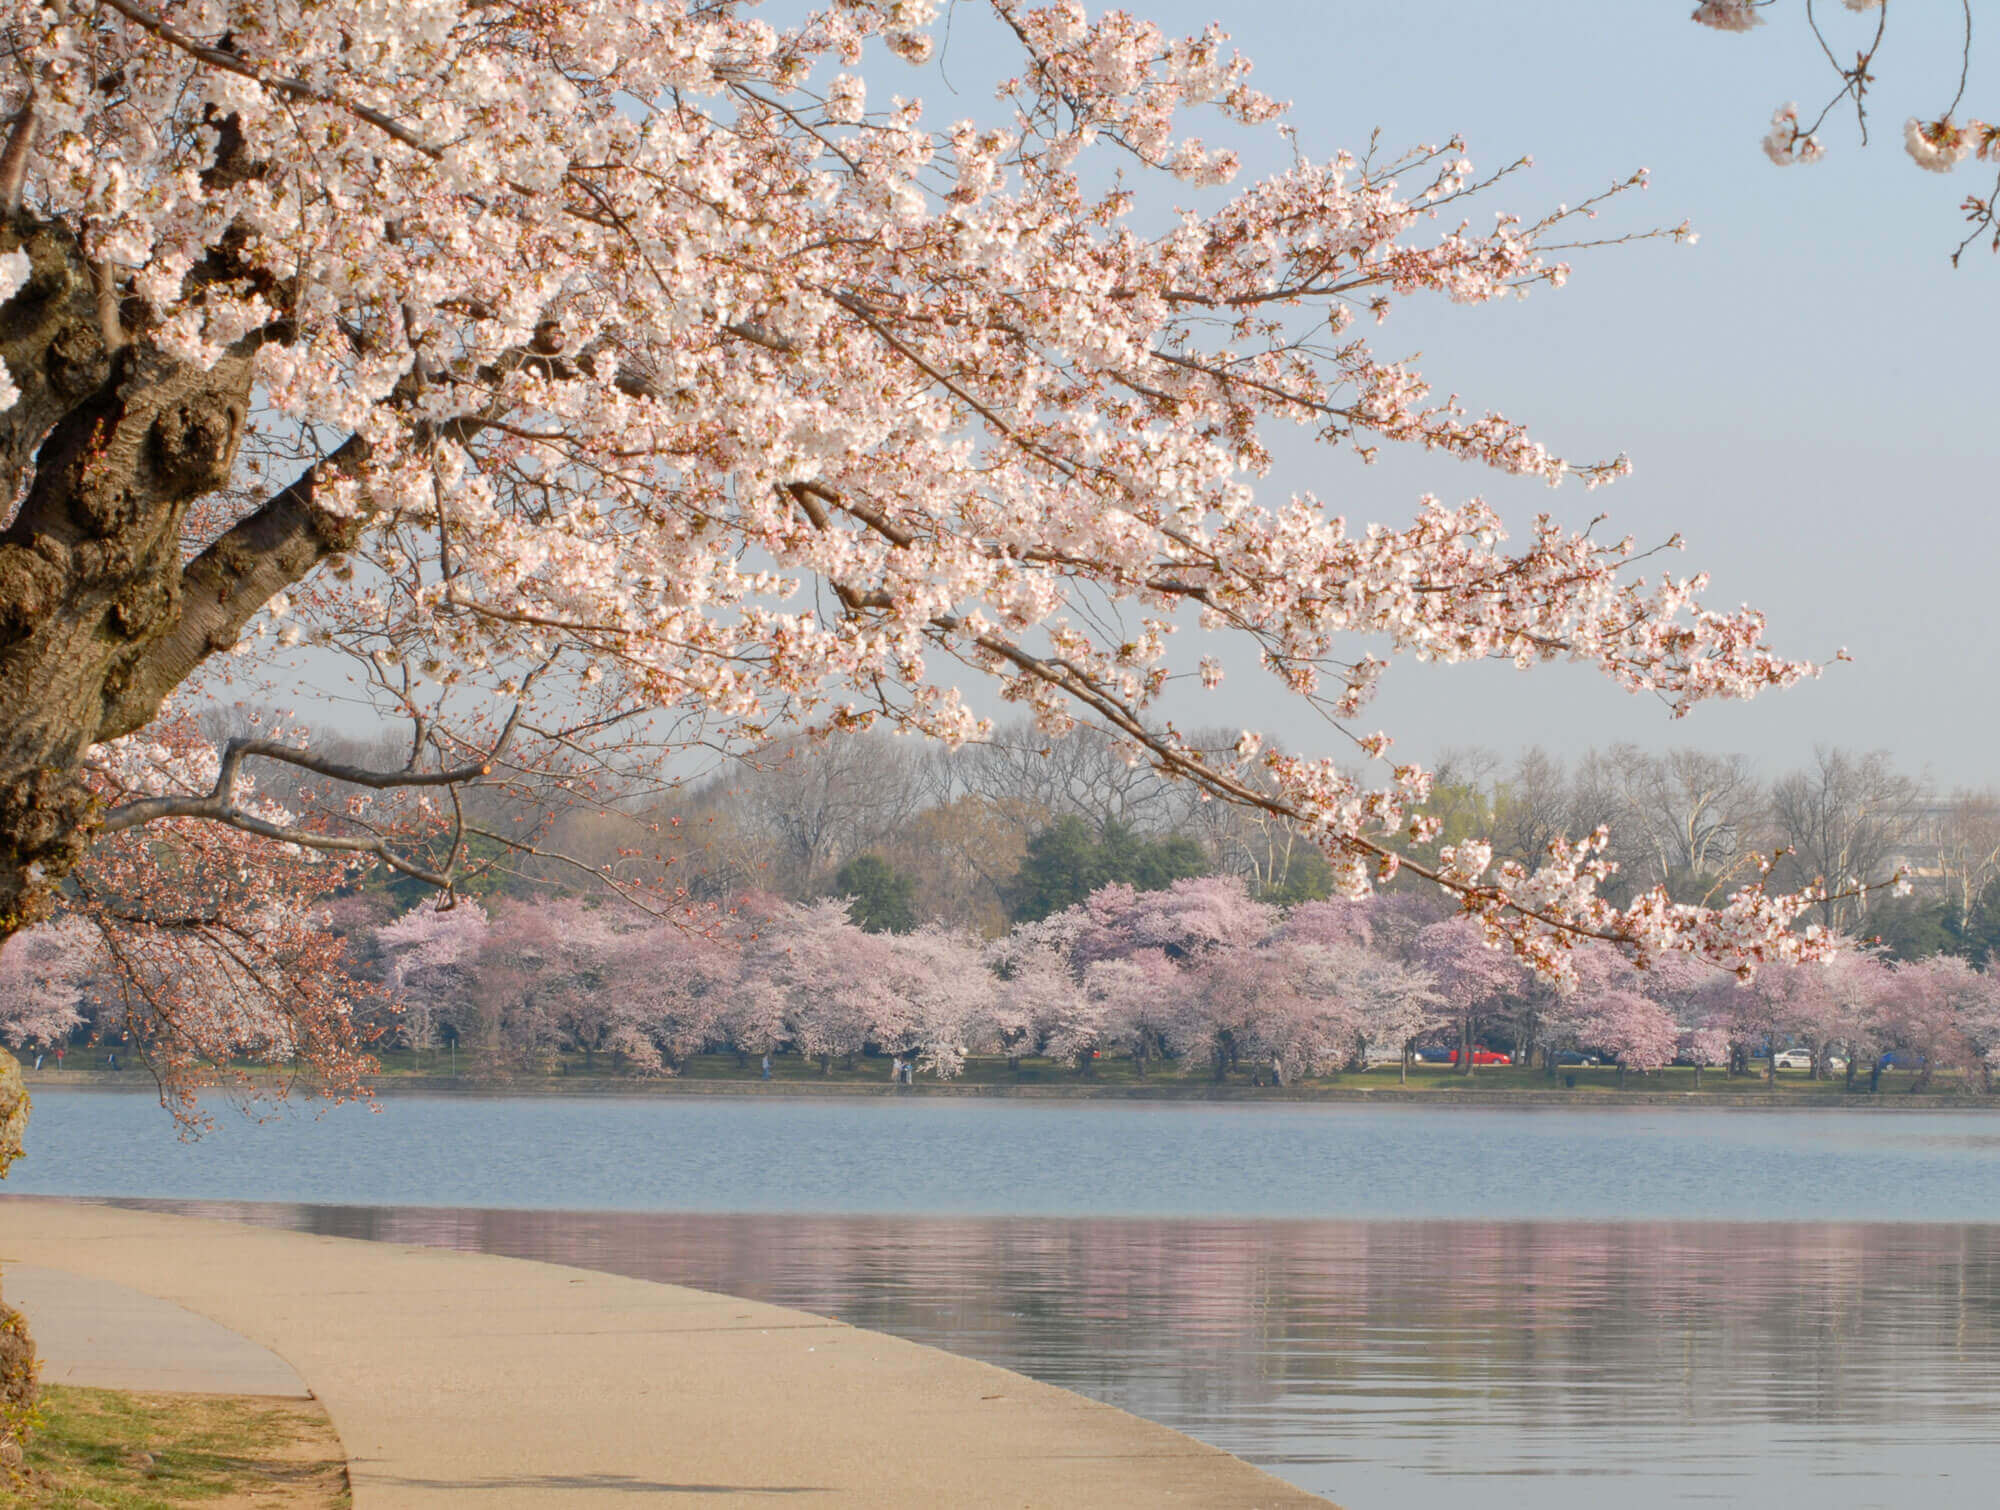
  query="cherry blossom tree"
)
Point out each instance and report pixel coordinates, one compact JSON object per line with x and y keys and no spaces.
{"x":1146,"y":1003}
{"x":430,"y":951}
{"x":1035,"y":988}
{"x":42,"y":978}
{"x":665,"y":991}
{"x":830,"y":978}
{"x":1921,"y":1009}
{"x":1081,"y":1022}
{"x":1473,"y":981}
{"x":942,"y":994}
{"x":1634,"y":1029}
{"x":1393,"y":1002}
{"x":1707,"y":1046}
{"x":1185,"y":920}
{"x":603,"y":376}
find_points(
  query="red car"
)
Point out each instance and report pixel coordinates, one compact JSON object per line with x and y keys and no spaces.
{"x":1482,"y":1056}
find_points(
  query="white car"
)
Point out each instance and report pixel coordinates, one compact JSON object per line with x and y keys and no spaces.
{"x":1791,"y":1059}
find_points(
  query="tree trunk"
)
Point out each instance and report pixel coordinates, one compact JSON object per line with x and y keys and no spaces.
{"x":1621,"y":1076}
{"x":1465,"y":1044}
{"x":99,"y":619}
{"x":1403,"y":1067}
{"x":1697,"y":1074}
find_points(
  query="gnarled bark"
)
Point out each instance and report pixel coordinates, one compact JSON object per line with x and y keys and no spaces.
{"x":109,"y":444}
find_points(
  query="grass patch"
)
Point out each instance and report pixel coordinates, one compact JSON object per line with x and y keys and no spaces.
{"x":120,"y":1450}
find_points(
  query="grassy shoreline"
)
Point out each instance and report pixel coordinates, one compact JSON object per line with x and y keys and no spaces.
{"x":144,"y":1450}
{"x":1115,"y":1080}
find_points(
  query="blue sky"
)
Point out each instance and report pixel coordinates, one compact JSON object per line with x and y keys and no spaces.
{"x":1806,"y":394}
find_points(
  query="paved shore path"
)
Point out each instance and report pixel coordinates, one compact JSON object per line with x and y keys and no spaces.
{"x":460,"y":1378}
{"x":99,"y":1335}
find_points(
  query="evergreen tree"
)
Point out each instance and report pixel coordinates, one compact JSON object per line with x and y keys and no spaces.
{"x":881,"y":899}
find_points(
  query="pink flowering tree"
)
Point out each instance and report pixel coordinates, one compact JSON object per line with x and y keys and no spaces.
{"x":1635,"y":1030}
{"x":1707,"y":1046}
{"x":1978,"y":1011}
{"x":943,"y":994}
{"x":1079,"y":1027}
{"x":1149,"y":1005}
{"x":1474,"y":981}
{"x":598,"y":366}
{"x":432,"y":951}
{"x":1035,"y":988}
{"x":43,"y":977}
{"x":1920,"y":1011}
{"x":829,"y":980}
{"x":1185,"y":921}
{"x":665,"y":989}
{"x":1232,"y":993}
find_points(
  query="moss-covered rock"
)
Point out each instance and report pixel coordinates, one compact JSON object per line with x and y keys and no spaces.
{"x":17,"y":1351}
{"x":13,"y":1111}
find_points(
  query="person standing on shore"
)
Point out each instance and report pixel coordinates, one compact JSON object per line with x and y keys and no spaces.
{"x":767,"y":1066}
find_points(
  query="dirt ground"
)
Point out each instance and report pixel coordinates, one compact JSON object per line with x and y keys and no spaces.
{"x":101,"y":1449}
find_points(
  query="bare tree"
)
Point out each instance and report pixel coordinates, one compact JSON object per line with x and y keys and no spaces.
{"x":1687,"y":819}
{"x":1534,"y":804}
{"x":1844,"y":817}
{"x":1966,"y":831}
{"x":823,"y":802}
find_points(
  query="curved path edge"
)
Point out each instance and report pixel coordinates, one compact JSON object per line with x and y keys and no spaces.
{"x":453,"y":1377}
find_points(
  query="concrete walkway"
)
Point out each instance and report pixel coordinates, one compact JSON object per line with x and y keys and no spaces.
{"x":458,"y":1378}
{"x":101,"y":1335}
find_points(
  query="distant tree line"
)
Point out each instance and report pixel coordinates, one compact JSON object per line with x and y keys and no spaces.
{"x":1020,"y":828}
{"x":1196,"y":976}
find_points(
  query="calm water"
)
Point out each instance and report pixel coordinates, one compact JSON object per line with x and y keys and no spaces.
{"x":1229,"y":1271}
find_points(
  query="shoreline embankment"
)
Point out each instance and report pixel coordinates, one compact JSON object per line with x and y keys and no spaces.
{"x":1192,"y":1093}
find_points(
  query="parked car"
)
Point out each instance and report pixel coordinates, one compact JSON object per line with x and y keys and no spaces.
{"x":1483,"y":1056}
{"x":1382,"y":1053}
{"x":1901,"y":1059}
{"x":1573,"y":1056}
{"x":1792,"y":1059}
{"x":1432,"y":1055}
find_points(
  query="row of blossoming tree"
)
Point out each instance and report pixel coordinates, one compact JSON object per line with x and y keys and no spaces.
{"x":1197,"y":975}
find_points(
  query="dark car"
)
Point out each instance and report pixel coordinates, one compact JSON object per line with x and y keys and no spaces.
{"x":1572,"y":1056}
